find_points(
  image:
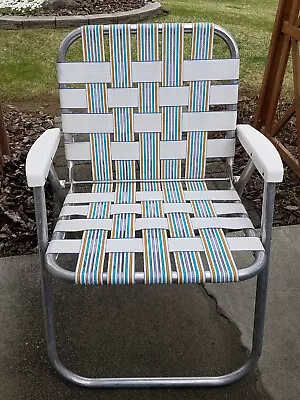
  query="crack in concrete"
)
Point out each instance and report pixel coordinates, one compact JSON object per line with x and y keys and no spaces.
{"x":259,"y":384}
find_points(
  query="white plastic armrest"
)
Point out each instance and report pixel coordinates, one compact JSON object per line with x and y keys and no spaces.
{"x":40,"y":156}
{"x":262,"y":152}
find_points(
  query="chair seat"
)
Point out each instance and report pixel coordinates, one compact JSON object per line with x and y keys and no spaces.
{"x":182,"y":230}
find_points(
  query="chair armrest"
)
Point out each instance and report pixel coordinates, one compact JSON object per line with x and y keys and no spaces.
{"x":40,"y":156}
{"x":262,"y":152}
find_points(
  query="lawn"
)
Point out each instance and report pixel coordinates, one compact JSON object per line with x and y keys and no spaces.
{"x":27,"y":57}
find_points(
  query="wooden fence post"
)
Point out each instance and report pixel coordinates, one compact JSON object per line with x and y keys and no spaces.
{"x":285,"y":37}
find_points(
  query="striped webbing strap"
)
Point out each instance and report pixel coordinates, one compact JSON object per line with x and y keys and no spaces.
{"x":202,"y":46}
{"x":121,"y":264}
{"x":218,"y":254}
{"x":157,"y":266}
{"x":89,"y":269}
{"x":188,"y":263}
{"x":217,"y":251}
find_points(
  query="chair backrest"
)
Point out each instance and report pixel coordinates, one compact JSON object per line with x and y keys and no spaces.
{"x":151,"y":99}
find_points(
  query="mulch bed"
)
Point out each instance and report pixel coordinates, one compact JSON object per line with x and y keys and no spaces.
{"x":17,"y":220}
{"x":287,"y":202}
{"x":85,"y":7}
{"x":17,"y":226}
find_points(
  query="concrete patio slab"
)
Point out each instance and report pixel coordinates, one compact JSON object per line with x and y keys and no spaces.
{"x":113,"y":331}
{"x":279,"y":365}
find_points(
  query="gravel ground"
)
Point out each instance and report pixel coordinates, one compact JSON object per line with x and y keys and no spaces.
{"x":17,"y":226}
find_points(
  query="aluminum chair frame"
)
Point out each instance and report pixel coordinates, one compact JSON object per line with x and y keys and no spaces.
{"x":48,"y":263}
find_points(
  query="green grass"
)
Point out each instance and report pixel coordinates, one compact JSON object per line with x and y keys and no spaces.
{"x":27,"y":64}
{"x":28,"y":57}
{"x":249,"y":21}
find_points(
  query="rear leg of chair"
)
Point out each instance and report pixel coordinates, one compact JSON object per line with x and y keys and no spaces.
{"x":213,"y":381}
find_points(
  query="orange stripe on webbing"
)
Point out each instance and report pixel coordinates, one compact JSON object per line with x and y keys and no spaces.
{"x":199,"y":265}
{"x":209,"y":258}
{"x":101,"y":258}
{"x":146,"y":258}
{"x":164,"y":74}
{"x":156,"y":97}
{"x":166,"y":254}
{"x":85,"y":54}
{"x":156,"y":42}
{"x":211,"y":40}
{"x":229,"y":254}
{"x":157,"y":147}
{"x":189,"y":224}
{"x":115,"y":125}
{"x":188,"y":153}
{"x":128,"y":60}
{"x":131,"y":264}
{"x":171,"y":226}
{"x":141,"y":155}
{"x":89,"y":97}
{"x":194,"y":41}
{"x":207,"y":84}
{"x":109,"y":269}
{"x":181,"y":33}
{"x":101,"y":41}
{"x":160,"y":206}
{"x":113,"y":80}
{"x":140,"y":96}
{"x":163,"y":127}
{"x":138,"y":42}
{"x":203,"y":163}
{"x":132,"y":221}
{"x":179,"y":267}
{"x":105,"y":97}
{"x":131,"y":138}
{"x":179,"y":115}
{"x":82,"y":252}
{"x":92,"y":139}
{"x":211,"y":207}
{"x":109,"y":161}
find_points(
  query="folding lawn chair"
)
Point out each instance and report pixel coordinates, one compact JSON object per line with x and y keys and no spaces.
{"x":152,"y":110}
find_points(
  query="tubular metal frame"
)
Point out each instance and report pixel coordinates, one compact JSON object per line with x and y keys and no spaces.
{"x":69,"y":276}
{"x":213,"y":381}
{"x":48,"y":263}
{"x":76,"y":33}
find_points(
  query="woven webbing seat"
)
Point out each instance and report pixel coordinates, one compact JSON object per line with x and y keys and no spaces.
{"x":153,"y":113}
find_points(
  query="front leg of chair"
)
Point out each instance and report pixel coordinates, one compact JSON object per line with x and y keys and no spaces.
{"x":262,"y":278}
{"x":212,"y":381}
{"x":46,"y":279}
{"x":146,"y":382}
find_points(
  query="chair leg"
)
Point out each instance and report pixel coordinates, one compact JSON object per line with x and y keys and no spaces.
{"x":211,"y":381}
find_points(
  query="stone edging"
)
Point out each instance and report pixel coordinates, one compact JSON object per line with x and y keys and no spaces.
{"x":132,"y":16}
